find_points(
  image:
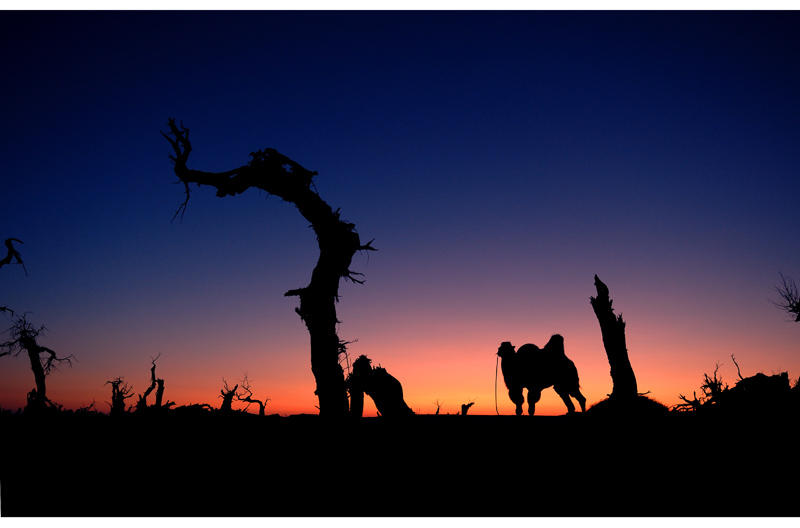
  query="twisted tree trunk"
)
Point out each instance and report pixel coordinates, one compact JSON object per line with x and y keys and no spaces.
{"x":119,"y":393}
{"x":37,"y":398}
{"x":227,"y":396}
{"x":338,"y":241}
{"x":160,"y":394}
{"x":613,"y":330}
{"x":156,"y":384}
{"x":23,"y":337}
{"x":141,"y":405}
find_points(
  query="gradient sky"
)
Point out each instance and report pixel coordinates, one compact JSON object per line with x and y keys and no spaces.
{"x":499,"y":159}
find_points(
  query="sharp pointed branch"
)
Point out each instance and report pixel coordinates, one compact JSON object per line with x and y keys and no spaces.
{"x":349,"y":276}
{"x":368,"y":246}
{"x":182,"y":209}
{"x":13,"y":254}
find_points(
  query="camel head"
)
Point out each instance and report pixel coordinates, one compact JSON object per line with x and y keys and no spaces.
{"x":362,"y":365}
{"x":506,"y":350}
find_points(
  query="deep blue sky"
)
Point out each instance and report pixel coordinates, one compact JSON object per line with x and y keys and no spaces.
{"x":499,"y":159}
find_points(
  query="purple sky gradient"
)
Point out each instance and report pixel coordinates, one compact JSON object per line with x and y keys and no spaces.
{"x":499,"y":159}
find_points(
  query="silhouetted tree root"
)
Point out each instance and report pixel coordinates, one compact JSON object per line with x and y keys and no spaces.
{"x":276,"y":174}
{"x":758,"y":395}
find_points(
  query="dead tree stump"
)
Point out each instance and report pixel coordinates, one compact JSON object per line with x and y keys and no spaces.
{"x":613,"y":330}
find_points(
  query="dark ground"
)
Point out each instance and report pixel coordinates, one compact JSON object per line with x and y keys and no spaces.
{"x":297,"y":466}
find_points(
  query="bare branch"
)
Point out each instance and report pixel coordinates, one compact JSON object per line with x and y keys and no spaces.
{"x":13,"y":254}
{"x":120,"y":391}
{"x":180,"y":144}
{"x":182,"y":208}
{"x":227,"y":396}
{"x":737,"y":367}
{"x":23,"y":339}
{"x":349,"y":276}
{"x":142,"y":403}
{"x":692,"y":404}
{"x":247,"y":396}
{"x":121,"y":386}
{"x":51,"y":358}
{"x":789,"y":297}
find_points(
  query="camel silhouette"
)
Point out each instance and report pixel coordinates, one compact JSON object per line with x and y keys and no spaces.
{"x":536,"y":369}
{"x":384,"y":389}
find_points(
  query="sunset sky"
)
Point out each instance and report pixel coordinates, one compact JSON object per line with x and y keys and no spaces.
{"x":499,"y":159}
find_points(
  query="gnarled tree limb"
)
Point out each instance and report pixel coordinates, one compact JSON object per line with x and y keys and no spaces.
{"x":13,"y":254}
{"x":274,"y":173}
{"x":247,"y":396}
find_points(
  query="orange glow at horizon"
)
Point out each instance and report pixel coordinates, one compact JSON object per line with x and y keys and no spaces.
{"x":452,"y":373}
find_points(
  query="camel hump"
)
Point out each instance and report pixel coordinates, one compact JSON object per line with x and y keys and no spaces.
{"x":528,"y":349}
{"x":529,"y":354}
{"x":556,"y":345}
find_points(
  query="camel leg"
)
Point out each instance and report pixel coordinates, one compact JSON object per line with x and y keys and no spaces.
{"x":565,"y":397}
{"x":533,"y":397}
{"x":516,"y":397}
{"x":581,"y":400}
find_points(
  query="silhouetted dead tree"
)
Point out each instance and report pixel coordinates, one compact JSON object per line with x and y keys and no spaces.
{"x":247,"y":396}
{"x":156,"y":384}
{"x":789,"y":297}
{"x":613,"y":330}
{"x":141,"y":404}
{"x":712,"y":388}
{"x":276,"y":174}
{"x":465,"y":408}
{"x":758,"y":395}
{"x":43,"y":360}
{"x":120,"y":391}
{"x":227,"y":396}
